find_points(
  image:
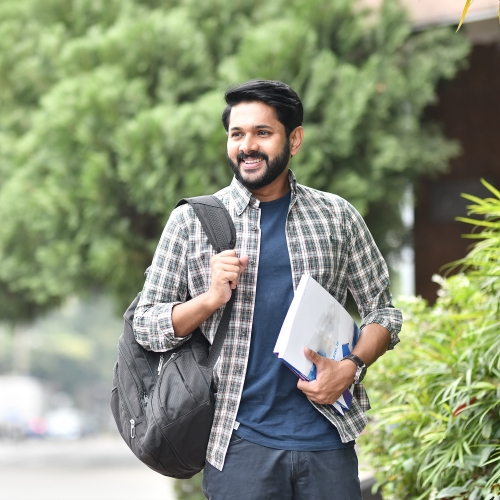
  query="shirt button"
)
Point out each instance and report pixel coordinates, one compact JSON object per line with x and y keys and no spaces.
{"x":243,"y":335}
{"x":231,"y":405}
{"x":252,"y":262}
{"x":255,"y":228}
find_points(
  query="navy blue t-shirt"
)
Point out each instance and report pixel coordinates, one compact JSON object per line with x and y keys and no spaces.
{"x":272,"y":411}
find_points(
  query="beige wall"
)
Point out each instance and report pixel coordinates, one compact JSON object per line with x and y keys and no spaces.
{"x":435,"y":12}
{"x":442,"y":12}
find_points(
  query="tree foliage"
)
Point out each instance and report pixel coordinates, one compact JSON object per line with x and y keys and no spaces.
{"x":438,"y":400}
{"x":111,"y":113}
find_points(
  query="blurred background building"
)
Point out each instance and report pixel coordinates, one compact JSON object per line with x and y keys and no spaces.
{"x":468,"y":109}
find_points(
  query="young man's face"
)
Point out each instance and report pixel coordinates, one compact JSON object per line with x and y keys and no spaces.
{"x":258,"y":150}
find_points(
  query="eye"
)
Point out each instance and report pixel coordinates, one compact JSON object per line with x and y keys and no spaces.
{"x":236,"y":134}
{"x":264,"y":132}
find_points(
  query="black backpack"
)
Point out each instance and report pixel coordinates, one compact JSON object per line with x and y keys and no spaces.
{"x":163,"y":402}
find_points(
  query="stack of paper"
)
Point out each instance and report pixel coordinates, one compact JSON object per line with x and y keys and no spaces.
{"x":316,"y":320}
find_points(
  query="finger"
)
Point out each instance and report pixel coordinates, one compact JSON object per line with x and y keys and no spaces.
{"x":312,"y":396}
{"x":320,"y":401}
{"x":227,"y":268}
{"x":227,"y":253}
{"x":236,"y":280}
{"x":308,"y":388}
{"x":243,"y":262}
{"x":231,"y":278}
{"x":232,"y":261}
{"x":303,"y":386}
{"x":313,"y":356}
{"x":312,"y":392}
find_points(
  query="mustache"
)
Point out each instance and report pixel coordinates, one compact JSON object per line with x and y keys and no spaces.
{"x":257,"y":155}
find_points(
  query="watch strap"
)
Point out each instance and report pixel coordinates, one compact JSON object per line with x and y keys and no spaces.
{"x":360,"y":367}
{"x":356,"y":360}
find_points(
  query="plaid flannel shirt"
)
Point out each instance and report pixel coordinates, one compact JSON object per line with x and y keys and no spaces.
{"x":327,"y":239}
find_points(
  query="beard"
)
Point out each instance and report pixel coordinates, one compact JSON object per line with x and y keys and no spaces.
{"x":273,"y":168}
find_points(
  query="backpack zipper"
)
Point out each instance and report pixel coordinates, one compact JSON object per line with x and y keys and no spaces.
{"x":161,"y":364}
{"x":124,"y":399}
{"x":135,"y":375}
{"x":131,"y":364}
{"x":127,"y":410}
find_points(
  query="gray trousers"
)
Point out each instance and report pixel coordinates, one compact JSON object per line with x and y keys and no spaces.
{"x":254,"y":472}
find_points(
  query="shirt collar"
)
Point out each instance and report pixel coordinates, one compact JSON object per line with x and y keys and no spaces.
{"x":243,"y":197}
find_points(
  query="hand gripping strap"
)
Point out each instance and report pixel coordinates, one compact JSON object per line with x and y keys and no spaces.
{"x":221,"y":233}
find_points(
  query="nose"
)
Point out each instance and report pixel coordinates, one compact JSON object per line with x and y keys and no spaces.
{"x":248,"y":144}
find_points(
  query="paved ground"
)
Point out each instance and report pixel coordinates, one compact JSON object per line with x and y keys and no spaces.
{"x":88,"y":469}
{"x":98,"y":468}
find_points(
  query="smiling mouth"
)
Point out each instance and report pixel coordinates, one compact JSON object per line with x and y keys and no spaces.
{"x":251,"y":162}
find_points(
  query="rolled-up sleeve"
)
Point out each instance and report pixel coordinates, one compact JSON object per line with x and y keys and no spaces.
{"x":165,"y":286}
{"x":368,"y":279}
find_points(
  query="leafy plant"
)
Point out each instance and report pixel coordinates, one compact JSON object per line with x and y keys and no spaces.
{"x":437,"y":399}
{"x":111,"y":113}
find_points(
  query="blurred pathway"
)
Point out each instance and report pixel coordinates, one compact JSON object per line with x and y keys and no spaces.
{"x":88,"y":469}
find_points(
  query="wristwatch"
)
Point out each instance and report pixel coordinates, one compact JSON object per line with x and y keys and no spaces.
{"x":361,"y":367}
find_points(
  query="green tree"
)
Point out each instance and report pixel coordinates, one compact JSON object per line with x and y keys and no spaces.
{"x":111,"y":112}
{"x":437,"y":402}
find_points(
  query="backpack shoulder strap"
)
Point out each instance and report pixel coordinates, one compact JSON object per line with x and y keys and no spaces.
{"x":215,"y":220}
{"x":221,"y":233}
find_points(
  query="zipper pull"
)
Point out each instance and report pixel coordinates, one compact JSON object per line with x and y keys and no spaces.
{"x":132,"y":428}
{"x":160,"y":364}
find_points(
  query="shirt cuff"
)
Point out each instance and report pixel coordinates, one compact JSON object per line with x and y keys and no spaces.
{"x":390,"y":318}
{"x":154,"y":329}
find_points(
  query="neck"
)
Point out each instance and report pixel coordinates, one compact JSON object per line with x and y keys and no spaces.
{"x":276,"y":189}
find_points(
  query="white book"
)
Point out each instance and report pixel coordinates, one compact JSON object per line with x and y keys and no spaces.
{"x":316,"y":320}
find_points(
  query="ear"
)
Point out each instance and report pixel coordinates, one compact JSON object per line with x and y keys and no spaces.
{"x":296,"y":139}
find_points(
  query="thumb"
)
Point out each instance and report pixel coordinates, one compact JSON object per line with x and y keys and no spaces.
{"x":243,"y":262}
{"x":312,"y":356}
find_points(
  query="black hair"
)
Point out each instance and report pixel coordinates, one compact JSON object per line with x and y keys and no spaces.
{"x":278,"y":95}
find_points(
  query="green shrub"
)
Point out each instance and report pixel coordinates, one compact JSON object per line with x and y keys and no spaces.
{"x":437,"y":398}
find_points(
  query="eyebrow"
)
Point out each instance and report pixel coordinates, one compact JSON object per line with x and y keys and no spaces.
{"x":254,"y":127}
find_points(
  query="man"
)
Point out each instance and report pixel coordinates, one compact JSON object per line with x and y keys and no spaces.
{"x":268,"y":440}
